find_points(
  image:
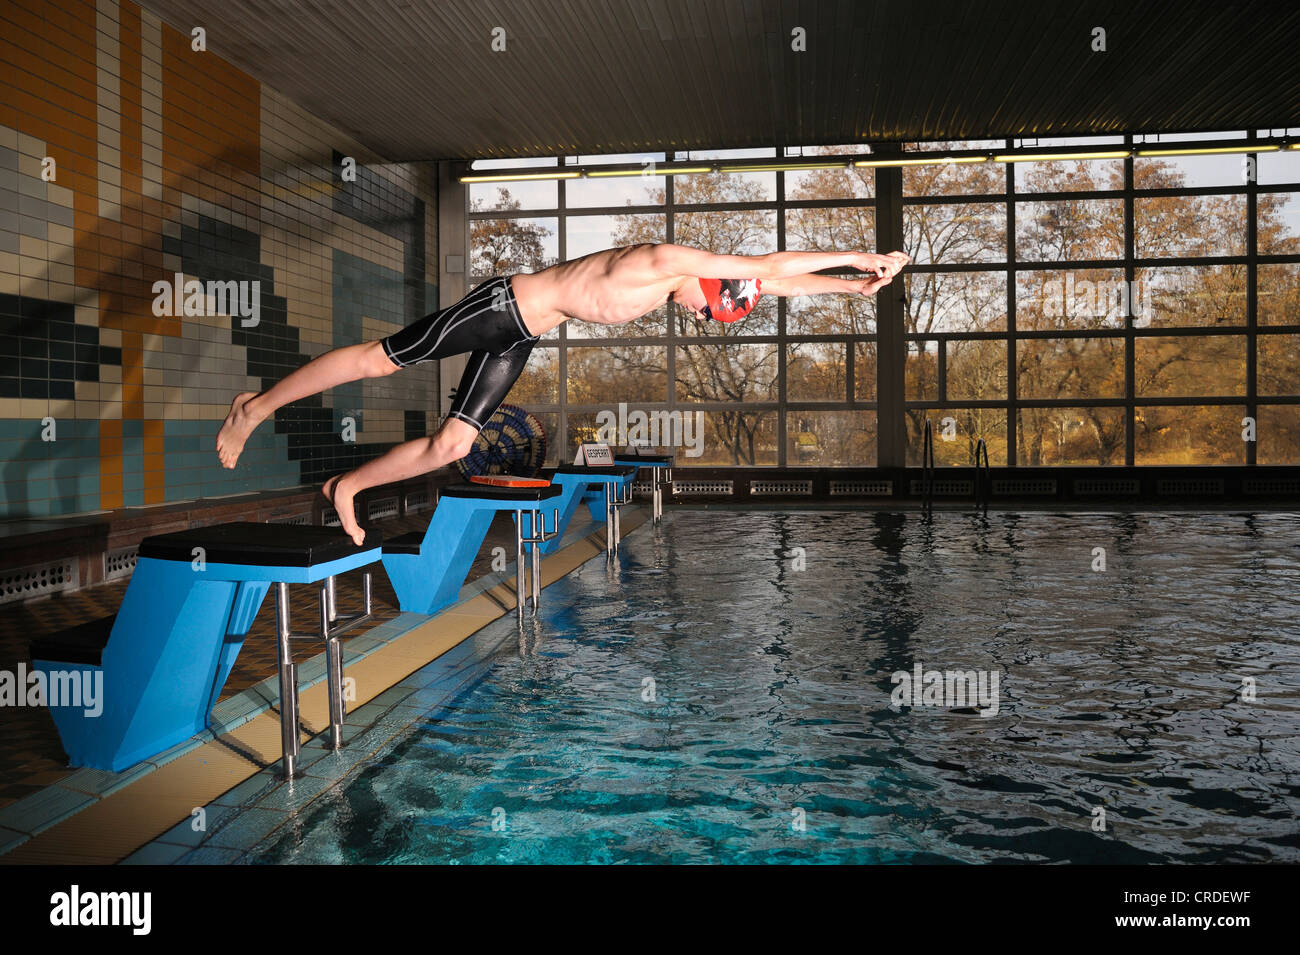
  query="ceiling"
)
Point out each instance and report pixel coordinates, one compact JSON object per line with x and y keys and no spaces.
{"x":419,"y":79}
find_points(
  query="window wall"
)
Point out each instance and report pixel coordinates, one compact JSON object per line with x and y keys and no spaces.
{"x":1081,"y":312}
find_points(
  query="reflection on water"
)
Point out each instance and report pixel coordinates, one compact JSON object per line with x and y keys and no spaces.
{"x":731,"y":681}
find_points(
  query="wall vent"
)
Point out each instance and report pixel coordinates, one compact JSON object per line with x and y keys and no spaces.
{"x":784,"y":488}
{"x":1106,"y":487}
{"x":946,"y":487}
{"x":330,"y":517}
{"x":301,"y":520}
{"x":862,"y":488}
{"x":1024,"y":487}
{"x":703,"y":488}
{"x":119,"y":563}
{"x":1270,"y":486}
{"x":1189,"y":486}
{"x":415,"y":501}
{"x":37,"y":580}
{"x":382,"y":508}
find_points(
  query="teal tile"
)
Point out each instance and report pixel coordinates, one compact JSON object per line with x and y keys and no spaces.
{"x":209,"y":855}
{"x":39,"y":811}
{"x":11,"y":839}
{"x":99,"y":782}
{"x":251,"y":789}
{"x":247,"y":828}
{"x":155,"y":853}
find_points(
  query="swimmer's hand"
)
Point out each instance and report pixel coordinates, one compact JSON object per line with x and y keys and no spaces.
{"x":884,"y":266}
{"x":870,"y":286}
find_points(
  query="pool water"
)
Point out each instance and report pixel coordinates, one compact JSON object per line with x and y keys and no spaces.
{"x":723,"y":694}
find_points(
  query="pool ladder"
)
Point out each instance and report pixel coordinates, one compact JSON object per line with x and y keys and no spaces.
{"x":983,"y":482}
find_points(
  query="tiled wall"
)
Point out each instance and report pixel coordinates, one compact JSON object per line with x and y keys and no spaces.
{"x":166,"y":161}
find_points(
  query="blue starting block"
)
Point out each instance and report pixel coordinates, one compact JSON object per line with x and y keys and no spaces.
{"x":163,"y":658}
{"x":427,"y":568}
{"x":661,"y":475}
{"x":605,"y":488}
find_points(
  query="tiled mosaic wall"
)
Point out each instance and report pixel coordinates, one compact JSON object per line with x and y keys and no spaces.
{"x":126,"y":158}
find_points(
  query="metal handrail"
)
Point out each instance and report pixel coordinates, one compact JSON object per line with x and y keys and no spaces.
{"x":980,"y":497}
{"x":927,"y":465}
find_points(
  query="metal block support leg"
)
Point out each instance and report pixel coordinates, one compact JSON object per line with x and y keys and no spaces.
{"x":333,"y":662}
{"x":288,"y":682}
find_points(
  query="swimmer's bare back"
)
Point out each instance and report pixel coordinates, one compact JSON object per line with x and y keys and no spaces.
{"x":620,"y":285}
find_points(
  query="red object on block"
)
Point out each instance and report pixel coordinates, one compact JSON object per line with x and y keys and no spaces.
{"x":501,"y":480}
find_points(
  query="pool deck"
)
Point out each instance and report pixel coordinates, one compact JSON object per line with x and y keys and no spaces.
{"x":208,"y":799}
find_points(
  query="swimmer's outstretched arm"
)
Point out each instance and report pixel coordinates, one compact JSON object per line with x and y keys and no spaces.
{"x":682,"y":260}
{"x":824,"y":284}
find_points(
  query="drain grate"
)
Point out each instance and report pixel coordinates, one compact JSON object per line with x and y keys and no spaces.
{"x":784,"y":488}
{"x":862,"y":488}
{"x":36,"y":580}
{"x":703,"y":488}
{"x":119,"y":563}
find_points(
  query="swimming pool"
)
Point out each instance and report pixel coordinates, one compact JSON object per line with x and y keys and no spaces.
{"x":724,"y":695}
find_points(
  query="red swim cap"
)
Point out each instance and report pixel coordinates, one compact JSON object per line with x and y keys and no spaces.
{"x":730,"y":300}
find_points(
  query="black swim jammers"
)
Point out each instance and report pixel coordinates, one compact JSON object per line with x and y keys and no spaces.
{"x":487,"y":324}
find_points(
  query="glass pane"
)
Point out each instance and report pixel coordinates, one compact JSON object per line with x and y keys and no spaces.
{"x":587,"y":234}
{"x":1070,"y":175}
{"x":503,"y":196}
{"x":540,"y":381}
{"x":922,"y":370}
{"x":852,"y":183}
{"x":1074,"y":299}
{"x":1177,"y":172}
{"x":977,"y":370}
{"x":1277,"y":368}
{"x":506,"y":246}
{"x":1278,"y":294}
{"x":957,"y":179}
{"x":699,"y":188}
{"x":1061,"y":230}
{"x":661,"y":428}
{"x":1189,"y":435}
{"x":731,"y":372}
{"x":955,"y":302}
{"x":1070,"y":368}
{"x":743,"y":232}
{"x":830,"y":439}
{"x":946,"y":234}
{"x":1069,"y":436}
{"x":956,"y":433}
{"x":841,"y":229}
{"x":1277,"y":218}
{"x":864,"y":371}
{"x":730,"y":438}
{"x":1190,"y":295}
{"x":550,"y":421}
{"x":1279,"y":435}
{"x":610,"y":374}
{"x":1189,"y":226}
{"x":645,"y":190}
{"x":816,"y":371}
{"x":1189,"y":367}
{"x":830,"y":315}
{"x":1279,"y":168}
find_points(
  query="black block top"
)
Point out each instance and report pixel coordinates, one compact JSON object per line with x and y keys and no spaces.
{"x":261,"y":545}
{"x":83,"y":643}
{"x":496,"y":492}
{"x":595,"y":470}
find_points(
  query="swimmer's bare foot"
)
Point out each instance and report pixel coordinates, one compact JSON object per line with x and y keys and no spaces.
{"x":341,"y":496}
{"x":234,"y":432}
